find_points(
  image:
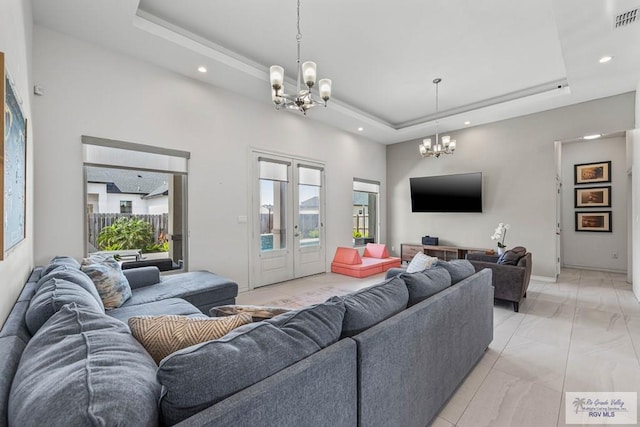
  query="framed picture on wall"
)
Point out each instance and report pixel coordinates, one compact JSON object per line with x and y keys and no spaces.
{"x":14,"y":143}
{"x":593,"y":197}
{"x":591,"y":173}
{"x":594,"y":221}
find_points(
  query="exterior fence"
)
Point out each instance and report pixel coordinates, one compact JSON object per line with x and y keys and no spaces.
{"x":97,"y":221}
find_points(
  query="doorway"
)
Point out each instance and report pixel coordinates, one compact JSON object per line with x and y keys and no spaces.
{"x":287,"y":211}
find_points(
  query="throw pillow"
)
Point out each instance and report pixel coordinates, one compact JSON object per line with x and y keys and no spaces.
{"x":459,"y":269}
{"x":257,"y":312}
{"x":512,"y":256}
{"x":163,"y":335}
{"x":73,"y":275}
{"x":83,"y":368}
{"x":423,"y":284}
{"x":106,"y":274}
{"x":421,"y":262}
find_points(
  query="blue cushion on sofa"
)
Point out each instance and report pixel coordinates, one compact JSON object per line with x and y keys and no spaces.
{"x":372,"y":305}
{"x":84,"y":368}
{"x":73,"y":275}
{"x":52,"y":296}
{"x":423,"y":284}
{"x":459,"y":269}
{"x":199,"y":376}
{"x":60,"y":261}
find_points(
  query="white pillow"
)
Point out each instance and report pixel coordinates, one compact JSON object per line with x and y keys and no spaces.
{"x":421,"y":262}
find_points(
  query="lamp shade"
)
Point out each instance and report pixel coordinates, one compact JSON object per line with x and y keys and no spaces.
{"x":276,"y":75}
{"x":325,"y":89}
{"x":427,"y":143}
{"x":309,"y":72}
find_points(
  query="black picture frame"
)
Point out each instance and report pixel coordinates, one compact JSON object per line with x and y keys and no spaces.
{"x":594,"y":222}
{"x":592,"y":197}
{"x":592,"y":173}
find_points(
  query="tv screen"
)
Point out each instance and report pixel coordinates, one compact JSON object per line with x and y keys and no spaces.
{"x":447,"y":193}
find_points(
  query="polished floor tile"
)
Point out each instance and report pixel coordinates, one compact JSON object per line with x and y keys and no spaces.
{"x":579,"y":334}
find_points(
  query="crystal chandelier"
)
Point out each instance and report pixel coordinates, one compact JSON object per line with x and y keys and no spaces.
{"x":447,"y":146}
{"x":303,"y":99}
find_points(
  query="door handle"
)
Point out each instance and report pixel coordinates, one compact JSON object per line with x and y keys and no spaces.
{"x":296,"y":234}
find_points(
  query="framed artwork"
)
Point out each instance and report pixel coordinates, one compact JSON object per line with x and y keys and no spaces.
{"x":591,"y":173}
{"x":593,"y":197}
{"x":13,"y":176}
{"x":594,"y":221}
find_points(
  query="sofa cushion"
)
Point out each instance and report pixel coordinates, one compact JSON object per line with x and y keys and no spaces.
{"x":423,"y":284}
{"x":420,"y":262}
{"x":106,"y":274}
{"x":459,"y":269}
{"x":199,"y":376}
{"x":73,"y":275}
{"x":163,"y":335}
{"x":372,"y":305}
{"x":52,"y":296}
{"x":200,"y":288}
{"x":175,"y":306}
{"x":512,"y":256}
{"x":11,"y":348}
{"x":84,"y":368}
{"x":60,"y":261}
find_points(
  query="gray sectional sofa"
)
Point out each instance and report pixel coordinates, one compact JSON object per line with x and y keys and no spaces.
{"x":364,"y":359}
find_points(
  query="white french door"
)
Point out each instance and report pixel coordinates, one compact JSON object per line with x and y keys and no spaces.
{"x":287,"y":239}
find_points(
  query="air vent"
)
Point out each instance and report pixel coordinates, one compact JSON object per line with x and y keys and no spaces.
{"x":626,"y":18}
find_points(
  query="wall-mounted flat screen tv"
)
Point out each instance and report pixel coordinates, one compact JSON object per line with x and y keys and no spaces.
{"x":447,"y":193}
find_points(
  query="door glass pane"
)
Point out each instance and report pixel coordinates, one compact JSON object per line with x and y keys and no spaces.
{"x":273,"y":215}
{"x":309,"y":215}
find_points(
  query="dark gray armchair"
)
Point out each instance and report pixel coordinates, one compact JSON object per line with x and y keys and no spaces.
{"x":510,"y":281}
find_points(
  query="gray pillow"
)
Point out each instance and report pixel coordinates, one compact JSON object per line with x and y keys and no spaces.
{"x":372,"y":305}
{"x":197,"y":377}
{"x":423,"y":284}
{"x":52,"y":296}
{"x":512,"y":256}
{"x":73,"y":275}
{"x":84,"y":368}
{"x":459,"y":269}
{"x":60,"y":261}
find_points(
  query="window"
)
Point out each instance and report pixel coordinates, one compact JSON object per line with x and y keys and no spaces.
{"x":126,"y":206}
{"x":120,"y":174}
{"x":365,"y":211}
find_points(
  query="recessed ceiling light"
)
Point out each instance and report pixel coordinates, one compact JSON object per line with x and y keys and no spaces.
{"x":202,"y":69}
{"x":594,"y":136}
{"x":467,"y":123}
{"x":605,"y":59}
{"x":360,"y":129}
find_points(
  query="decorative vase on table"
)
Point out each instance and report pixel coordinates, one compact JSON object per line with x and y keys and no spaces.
{"x":499,"y":235}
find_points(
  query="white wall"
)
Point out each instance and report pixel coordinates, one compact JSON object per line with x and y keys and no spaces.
{"x":15,"y":41}
{"x":517,"y":159}
{"x":586,"y":249}
{"x":96,"y":92}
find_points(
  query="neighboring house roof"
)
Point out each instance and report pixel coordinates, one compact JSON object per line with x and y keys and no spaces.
{"x":127,"y":181}
{"x":312,"y":203}
{"x":163,"y":190}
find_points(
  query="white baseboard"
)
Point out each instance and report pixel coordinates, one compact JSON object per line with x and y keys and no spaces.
{"x":607,"y":270}
{"x":544,"y":278}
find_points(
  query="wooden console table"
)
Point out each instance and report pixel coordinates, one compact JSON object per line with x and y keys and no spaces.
{"x":445,"y":253}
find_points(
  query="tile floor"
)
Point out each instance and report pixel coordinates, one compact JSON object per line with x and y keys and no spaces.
{"x":579,"y":334}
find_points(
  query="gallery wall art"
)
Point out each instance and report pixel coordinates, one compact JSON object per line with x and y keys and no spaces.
{"x":14,"y":152}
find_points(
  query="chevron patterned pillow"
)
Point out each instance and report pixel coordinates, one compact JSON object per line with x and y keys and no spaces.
{"x":163,"y":335}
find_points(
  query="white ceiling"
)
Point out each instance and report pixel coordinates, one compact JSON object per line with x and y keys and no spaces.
{"x":497,"y":58}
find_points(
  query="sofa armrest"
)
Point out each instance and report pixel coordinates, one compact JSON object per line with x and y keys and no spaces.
{"x":143,"y":276}
{"x":477,"y":256}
